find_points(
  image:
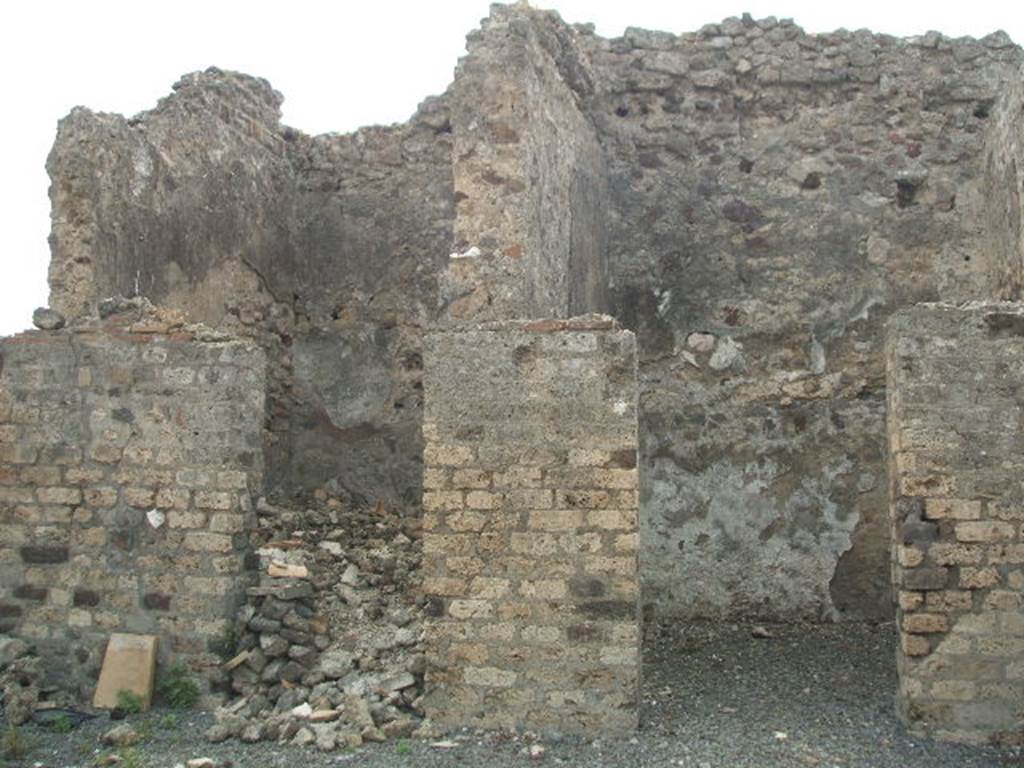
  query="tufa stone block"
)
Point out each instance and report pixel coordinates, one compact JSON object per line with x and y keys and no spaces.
{"x":129,"y":664}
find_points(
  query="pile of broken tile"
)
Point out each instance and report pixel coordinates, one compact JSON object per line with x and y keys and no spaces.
{"x":329,"y":642}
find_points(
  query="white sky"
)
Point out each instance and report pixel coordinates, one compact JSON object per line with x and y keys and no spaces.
{"x":339,"y":64}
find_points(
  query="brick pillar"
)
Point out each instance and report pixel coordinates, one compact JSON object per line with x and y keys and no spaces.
{"x":956,"y":437}
{"x":530,"y":519}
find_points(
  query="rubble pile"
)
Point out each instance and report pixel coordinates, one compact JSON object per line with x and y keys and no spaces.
{"x":21,"y":674}
{"x":328,"y":644}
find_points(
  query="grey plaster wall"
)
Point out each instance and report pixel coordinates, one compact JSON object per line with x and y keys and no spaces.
{"x":774,"y":197}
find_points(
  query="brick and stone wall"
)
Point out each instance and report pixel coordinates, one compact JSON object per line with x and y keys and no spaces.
{"x":530,"y":521}
{"x":128,"y":456}
{"x":751,"y":200}
{"x":956,"y":460}
{"x":775,"y":196}
{"x":530,"y":179}
{"x":317,"y":248}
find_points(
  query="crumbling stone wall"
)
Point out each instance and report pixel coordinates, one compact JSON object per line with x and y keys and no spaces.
{"x":753,"y":201}
{"x":128,"y":456}
{"x":373,"y":225}
{"x":956,"y":463}
{"x":175,"y":204}
{"x":530,"y":526}
{"x":530,"y":184}
{"x":774,"y":197}
{"x":325,"y":250}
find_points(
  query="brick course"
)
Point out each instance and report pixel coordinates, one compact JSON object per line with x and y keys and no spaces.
{"x":109,"y":432}
{"x":530,"y":557}
{"x":953,"y":375}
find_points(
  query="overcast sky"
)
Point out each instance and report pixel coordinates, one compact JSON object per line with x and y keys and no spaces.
{"x":339,"y":64}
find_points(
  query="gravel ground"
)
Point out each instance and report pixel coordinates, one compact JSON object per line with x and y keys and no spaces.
{"x":714,"y":697}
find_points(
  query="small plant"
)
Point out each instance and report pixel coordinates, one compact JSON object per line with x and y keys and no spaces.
{"x":403,"y":747}
{"x":16,"y":745}
{"x":145,"y":730}
{"x":169,"y":722}
{"x":178,"y":688}
{"x":226,"y":645}
{"x":132,"y":758}
{"x":129,"y":702}
{"x":61,"y":724}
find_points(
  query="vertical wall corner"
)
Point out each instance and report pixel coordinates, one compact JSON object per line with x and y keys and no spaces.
{"x":530,"y":520}
{"x":957,"y":506}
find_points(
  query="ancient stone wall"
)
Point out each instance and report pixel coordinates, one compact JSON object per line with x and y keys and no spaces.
{"x":325,"y":250}
{"x":751,"y":200}
{"x":956,"y":460}
{"x":774,"y":197}
{"x":1004,"y":190}
{"x":373,"y":225}
{"x":175,"y":204}
{"x":128,"y":454}
{"x":530,"y":185}
{"x":530,"y":523}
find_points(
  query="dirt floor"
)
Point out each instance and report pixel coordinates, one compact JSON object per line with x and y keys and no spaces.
{"x":714,"y":696}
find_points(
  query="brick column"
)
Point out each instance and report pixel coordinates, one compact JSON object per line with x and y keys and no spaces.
{"x":956,"y":437}
{"x":530,"y":519}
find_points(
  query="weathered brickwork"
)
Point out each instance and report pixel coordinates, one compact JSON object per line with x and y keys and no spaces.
{"x":128,"y":455}
{"x":530,"y":179}
{"x":957,"y":510}
{"x":530,"y":520}
{"x":752,"y":200}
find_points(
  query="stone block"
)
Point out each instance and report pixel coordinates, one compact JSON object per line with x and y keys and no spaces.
{"x":953,"y":509}
{"x":44,"y":555}
{"x":985,"y":531}
{"x":925,"y":623}
{"x":129,"y":664}
{"x":923,"y":579}
{"x":978,"y":578}
{"x":282,"y":589}
{"x":914,"y":645}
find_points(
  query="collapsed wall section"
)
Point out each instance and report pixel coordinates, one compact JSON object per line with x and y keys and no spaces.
{"x":775,"y":196}
{"x":374,"y":217}
{"x":956,"y":457}
{"x":128,"y":456}
{"x":529,"y":175}
{"x":530,"y":526}
{"x":325,"y":250}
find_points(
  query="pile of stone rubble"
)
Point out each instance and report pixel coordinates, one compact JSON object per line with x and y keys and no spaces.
{"x":21,"y":674}
{"x":328,"y":644}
